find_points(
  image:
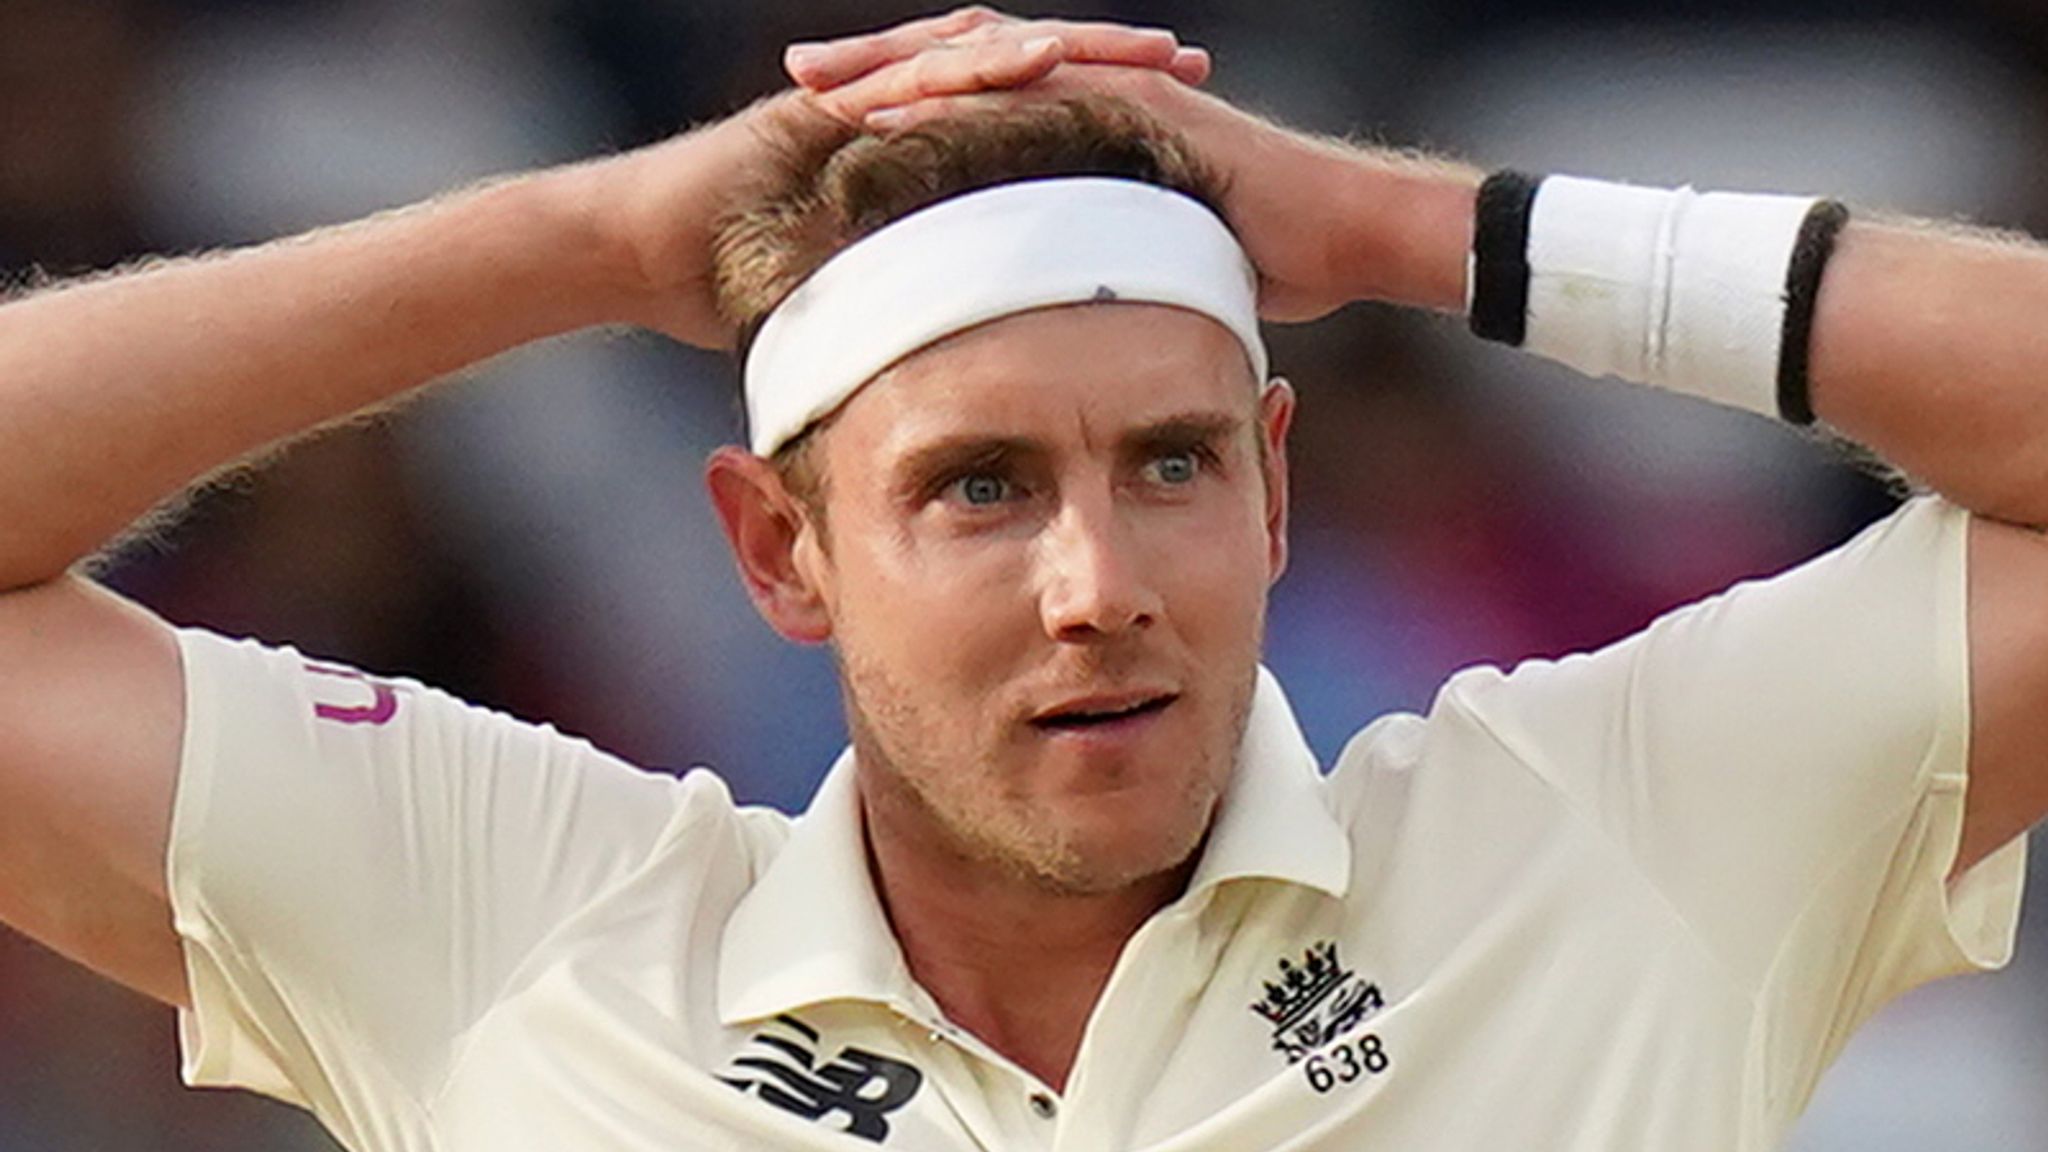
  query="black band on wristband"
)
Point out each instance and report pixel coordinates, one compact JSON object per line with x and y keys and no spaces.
{"x":1802,"y":293}
{"x":1500,"y":256}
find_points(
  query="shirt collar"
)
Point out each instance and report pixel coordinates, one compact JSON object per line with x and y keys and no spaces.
{"x":813,"y":930}
{"x":1275,"y":822}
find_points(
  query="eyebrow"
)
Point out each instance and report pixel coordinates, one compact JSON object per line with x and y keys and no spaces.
{"x":928,"y":464}
{"x":1181,"y":430}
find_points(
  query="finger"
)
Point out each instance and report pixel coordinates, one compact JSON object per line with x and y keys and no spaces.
{"x":823,"y":64}
{"x":1146,"y":87}
{"x":1191,"y":66}
{"x":819,"y":65}
{"x":1142,"y":86}
{"x":1100,"y":43}
{"x":905,"y":117}
{"x":958,"y":71}
{"x":1091,"y":42}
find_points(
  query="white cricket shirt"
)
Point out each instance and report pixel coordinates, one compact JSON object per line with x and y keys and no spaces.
{"x":1632,"y":900}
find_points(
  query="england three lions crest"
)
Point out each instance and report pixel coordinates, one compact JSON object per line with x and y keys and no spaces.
{"x":1315,"y":1002}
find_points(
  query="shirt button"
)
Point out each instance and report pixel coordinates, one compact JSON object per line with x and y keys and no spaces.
{"x":1045,"y":1106}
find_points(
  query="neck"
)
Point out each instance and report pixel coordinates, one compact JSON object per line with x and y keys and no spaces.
{"x":1007,"y":957}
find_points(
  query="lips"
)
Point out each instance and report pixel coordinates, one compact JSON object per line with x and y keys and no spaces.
{"x":1096,"y":711}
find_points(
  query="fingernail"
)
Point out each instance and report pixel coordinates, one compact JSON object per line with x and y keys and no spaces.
{"x":803,"y":55}
{"x":886,"y":119}
{"x":1041,"y":45}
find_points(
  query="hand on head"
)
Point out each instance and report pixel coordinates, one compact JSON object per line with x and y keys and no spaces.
{"x":970,"y":51}
{"x":1285,"y":195}
{"x":1324,"y":224}
{"x":662,"y":204}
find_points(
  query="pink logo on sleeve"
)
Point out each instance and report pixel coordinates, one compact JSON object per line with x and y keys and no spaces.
{"x":382,"y":707}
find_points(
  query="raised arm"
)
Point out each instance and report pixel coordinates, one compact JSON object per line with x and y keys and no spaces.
{"x":1926,"y":343}
{"x":121,"y":390}
{"x":117,"y":392}
{"x":1926,"y":347}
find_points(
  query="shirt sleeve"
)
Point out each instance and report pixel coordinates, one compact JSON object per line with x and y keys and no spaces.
{"x":357,"y":866}
{"x":1786,"y":763}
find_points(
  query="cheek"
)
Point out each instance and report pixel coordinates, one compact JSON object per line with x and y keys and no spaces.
{"x":927,"y":607}
{"x":1213,"y":573}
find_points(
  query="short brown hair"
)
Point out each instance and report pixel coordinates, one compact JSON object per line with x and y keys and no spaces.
{"x":830,"y":191}
{"x":827,"y":192}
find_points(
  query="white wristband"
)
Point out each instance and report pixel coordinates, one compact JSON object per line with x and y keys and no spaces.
{"x":1672,"y":288}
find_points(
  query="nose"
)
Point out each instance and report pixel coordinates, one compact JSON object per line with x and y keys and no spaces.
{"x":1095,"y":584}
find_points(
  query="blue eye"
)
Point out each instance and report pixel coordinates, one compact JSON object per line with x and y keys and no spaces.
{"x":982,"y":489}
{"x":1175,"y":468}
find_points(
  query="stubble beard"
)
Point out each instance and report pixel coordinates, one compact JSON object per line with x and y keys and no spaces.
{"x":965,"y":802}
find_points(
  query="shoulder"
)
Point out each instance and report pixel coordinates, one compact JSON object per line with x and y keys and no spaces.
{"x":1464,"y":725}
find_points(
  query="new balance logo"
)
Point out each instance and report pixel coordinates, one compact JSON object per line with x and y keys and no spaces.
{"x":780,"y":1066}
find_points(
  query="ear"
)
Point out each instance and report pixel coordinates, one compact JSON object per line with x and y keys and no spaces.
{"x":1276,"y":416}
{"x":774,"y":544}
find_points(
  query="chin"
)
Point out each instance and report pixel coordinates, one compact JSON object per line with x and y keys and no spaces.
{"x":1084,"y":878}
{"x":1109,"y":848}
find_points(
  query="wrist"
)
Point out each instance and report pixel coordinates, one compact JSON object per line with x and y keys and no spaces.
{"x":1410,"y":227}
{"x":584,"y":218}
{"x":653,"y":213}
{"x":1709,"y":294}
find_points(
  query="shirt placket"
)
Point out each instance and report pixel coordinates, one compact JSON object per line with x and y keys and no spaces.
{"x":1001,"y":1106}
{"x":1132,"y":1032}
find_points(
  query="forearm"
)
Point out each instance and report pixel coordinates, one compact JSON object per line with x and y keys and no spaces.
{"x":1927,"y":344}
{"x":118,"y":392}
{"x":1930,"y":347}
{"x":1329,"y":222}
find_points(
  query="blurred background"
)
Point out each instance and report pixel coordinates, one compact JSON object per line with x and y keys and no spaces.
{"x":536,"y":537}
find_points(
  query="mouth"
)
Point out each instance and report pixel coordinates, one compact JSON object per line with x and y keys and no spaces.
{"x":1096,"y":714}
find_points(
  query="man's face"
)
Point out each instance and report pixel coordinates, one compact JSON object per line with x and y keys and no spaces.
{"x":1048,"y":546}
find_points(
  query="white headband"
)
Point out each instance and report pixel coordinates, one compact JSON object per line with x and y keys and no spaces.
{"x":979,"y":257}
